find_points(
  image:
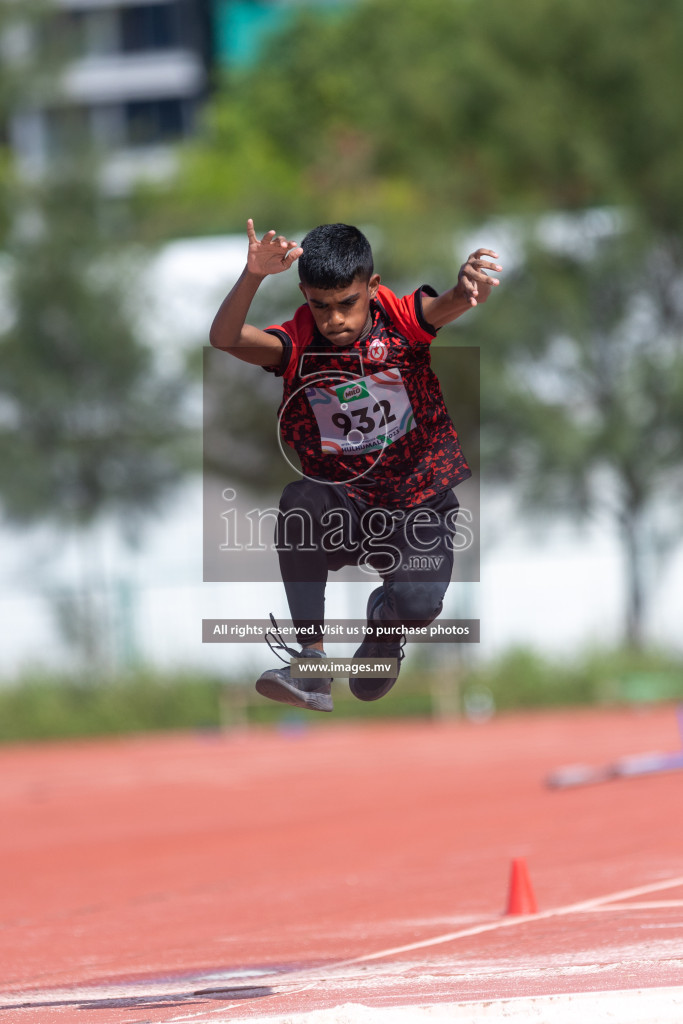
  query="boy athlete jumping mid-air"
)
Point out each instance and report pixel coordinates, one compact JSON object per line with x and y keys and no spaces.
{"x":379,"y":454}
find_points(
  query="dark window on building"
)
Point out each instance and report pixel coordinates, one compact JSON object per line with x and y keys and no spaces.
{"x":150,"y":27}
{"x":149,"y":122}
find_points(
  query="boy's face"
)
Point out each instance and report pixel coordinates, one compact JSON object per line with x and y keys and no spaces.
{"x":342,"y":314}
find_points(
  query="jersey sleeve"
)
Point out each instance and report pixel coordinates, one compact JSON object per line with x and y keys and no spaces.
{"x":281,"y":367}
{"x":295,"y":335}
{"x":407,"y":313}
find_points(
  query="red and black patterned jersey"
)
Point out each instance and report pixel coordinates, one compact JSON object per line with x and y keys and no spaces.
{"x":370,"y":416}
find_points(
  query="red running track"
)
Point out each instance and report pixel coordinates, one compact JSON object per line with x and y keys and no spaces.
{"x":218,"y":878}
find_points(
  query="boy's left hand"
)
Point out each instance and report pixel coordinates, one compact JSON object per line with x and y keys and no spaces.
{"x":474,"y":284}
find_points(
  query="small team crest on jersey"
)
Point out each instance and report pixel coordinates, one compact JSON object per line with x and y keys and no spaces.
{"x":378,"y":350}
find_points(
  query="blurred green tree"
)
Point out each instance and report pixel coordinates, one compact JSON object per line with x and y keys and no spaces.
{"x":23,"y":80}
{"x":420,"y":116}
{"x":91,"y":421}
{"x":583,"y":401}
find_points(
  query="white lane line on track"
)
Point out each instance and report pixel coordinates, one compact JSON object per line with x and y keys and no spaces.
{"x":639,"y":905}
{"x":513,"y":921}
{"x":312,"y":975}
{"x":596,"y":903}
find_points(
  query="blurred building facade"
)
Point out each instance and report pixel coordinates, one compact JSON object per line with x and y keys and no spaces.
{"x":134,"y":79}
{"x":136,"y":75}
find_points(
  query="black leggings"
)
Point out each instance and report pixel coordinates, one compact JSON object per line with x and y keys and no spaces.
{"x":320,"y":527}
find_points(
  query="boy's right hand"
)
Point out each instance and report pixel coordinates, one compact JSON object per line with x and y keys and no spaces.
{"x":271,"y":254}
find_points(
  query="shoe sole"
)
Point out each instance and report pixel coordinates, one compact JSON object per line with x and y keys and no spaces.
{"x":276,"y":689}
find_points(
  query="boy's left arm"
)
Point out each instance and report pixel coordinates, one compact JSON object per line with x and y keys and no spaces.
{"x":474,"y":286}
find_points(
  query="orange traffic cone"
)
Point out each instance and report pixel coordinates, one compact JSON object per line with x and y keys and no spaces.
{"x":521,"y":898}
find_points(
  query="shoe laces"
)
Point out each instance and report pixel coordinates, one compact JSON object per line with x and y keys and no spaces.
{"x":400,"y":652}
{"x":277,"y":644}
{"x":399,"y":644}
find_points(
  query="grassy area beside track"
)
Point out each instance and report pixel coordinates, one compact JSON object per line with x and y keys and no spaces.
{"x":40,"y":706}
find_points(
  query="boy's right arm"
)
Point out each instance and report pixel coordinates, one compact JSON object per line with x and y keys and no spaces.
{"x":270,"y":255}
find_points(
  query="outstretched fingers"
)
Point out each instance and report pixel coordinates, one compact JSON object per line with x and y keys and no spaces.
{"x":272,"y":253}
{"x":479,"y":265}
{"x":475,"y":272}
{"x":288,"y":251}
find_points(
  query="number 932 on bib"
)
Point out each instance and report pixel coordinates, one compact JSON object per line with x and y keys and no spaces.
{"x":361,"y":415}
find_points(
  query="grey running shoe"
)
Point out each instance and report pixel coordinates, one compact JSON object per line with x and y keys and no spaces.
{"x":370,"y":687}
{"x":277,"y":684}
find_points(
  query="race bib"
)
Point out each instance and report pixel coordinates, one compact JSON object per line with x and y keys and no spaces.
{"x":362,"y":415}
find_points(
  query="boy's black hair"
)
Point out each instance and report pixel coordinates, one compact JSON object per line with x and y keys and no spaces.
{"x":334,"y":255}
